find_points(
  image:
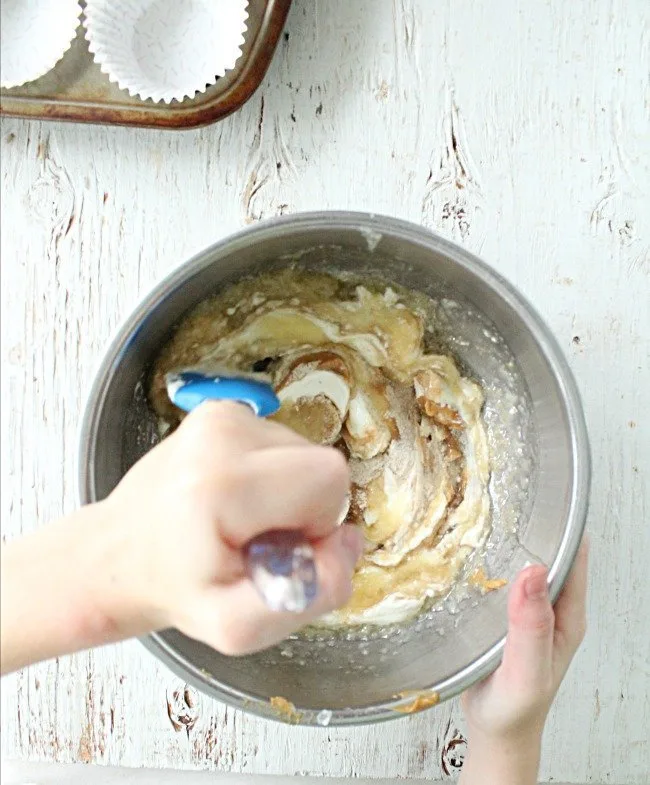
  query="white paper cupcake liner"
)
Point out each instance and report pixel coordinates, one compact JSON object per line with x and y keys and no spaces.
{"x":165,"y":49}
{"x":34,"y":36}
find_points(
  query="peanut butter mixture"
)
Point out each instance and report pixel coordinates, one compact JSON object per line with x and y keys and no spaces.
{"x":350,"y":368}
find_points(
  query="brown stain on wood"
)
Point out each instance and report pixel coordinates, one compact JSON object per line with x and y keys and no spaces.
{"x":422,"y":753}
{"x":172,"y":718}
{"x":206,"y":744}
{"x":183,"y":709}
{"x":85,"y":748}
{"x":253,"y":186}
{"x":97,"y":724}
{"x":453,"y":754}
{"x":87,"y":741}
{"x":382,"y":91}
{"x":452,"y":198}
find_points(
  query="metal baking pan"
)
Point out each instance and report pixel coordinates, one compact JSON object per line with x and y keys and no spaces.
{"x":77,"y":90}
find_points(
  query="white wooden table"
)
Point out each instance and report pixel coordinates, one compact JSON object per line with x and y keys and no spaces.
{"x":522,"y":130}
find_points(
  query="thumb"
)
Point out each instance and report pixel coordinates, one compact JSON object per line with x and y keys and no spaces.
{"x":528,"y":654}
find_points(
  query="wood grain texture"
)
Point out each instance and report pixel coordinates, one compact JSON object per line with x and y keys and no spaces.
{"x":520,"y":130}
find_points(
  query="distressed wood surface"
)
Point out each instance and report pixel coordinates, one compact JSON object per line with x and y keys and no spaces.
{"x":521,"y":130}
{"x":79,"y":774}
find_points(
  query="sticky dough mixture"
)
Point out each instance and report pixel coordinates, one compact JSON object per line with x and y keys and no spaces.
{"x":349,"y":366}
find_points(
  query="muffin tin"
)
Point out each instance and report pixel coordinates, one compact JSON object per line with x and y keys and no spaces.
{"x":77,"y":90}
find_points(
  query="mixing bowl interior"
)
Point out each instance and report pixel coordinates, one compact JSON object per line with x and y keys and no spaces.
{"x":535,"y":431}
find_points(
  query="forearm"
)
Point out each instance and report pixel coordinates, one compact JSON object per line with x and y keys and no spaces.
{"x":500,"y":762}
{"x":63,"y":591}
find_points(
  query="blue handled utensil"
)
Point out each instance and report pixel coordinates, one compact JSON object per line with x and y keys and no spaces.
{"x":188,"y":389}
{"x":280,"y":563}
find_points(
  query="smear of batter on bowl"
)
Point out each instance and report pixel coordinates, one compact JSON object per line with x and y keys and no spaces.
{"x":349,"y":365}
{"x":285,"y":710}
{"x":479,"y":579}
{"x":419,"y":701}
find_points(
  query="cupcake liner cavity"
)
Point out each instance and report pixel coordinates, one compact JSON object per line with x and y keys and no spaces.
{"x":165,"y":49}
{"x":34,"y":36}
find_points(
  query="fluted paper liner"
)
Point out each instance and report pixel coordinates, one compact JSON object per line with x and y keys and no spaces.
{"x":34,"y":36}
{"x":165,"y":49}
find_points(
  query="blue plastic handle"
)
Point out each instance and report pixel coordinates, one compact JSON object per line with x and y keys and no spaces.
{"x":189,"y":389}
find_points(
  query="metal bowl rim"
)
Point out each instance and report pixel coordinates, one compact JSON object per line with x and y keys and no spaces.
{"x":409,"y":233}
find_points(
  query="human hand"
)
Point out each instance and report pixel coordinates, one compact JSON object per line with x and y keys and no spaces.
{"x":506,"y":712}
{"x":186,"y":510}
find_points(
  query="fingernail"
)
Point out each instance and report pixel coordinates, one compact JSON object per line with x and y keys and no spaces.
{"x":344,"y":510}
{"x":536,"y":587}
{"x":353,"y":542}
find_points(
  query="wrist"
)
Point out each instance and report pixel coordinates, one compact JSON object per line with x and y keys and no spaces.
{"x":526,"y":734}
{"x":118,"y":599}
{"x":89,"y":551}
{"x":503,"y":758}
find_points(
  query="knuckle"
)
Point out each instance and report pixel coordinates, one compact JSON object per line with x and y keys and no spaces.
{"x":229,"y":482}
{"x":188,"y":481}
{"x":199,"y":479}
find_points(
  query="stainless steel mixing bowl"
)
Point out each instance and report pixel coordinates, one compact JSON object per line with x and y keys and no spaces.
{"x":538,"y":441}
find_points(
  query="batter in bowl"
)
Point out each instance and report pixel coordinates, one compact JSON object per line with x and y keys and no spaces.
{"x":348,"y":363}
